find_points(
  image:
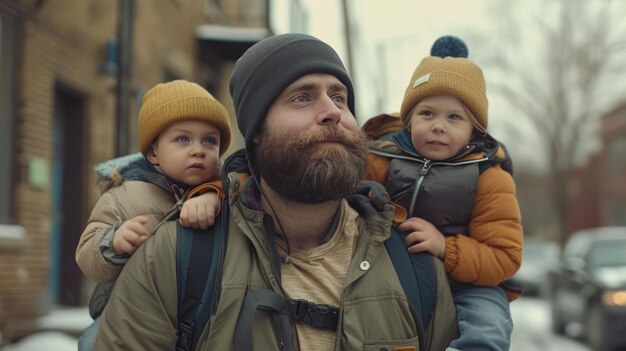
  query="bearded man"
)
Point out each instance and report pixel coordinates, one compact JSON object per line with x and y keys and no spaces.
{"x":292,"y":235}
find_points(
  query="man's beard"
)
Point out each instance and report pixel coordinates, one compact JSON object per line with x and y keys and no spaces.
{"x":296,"y":169}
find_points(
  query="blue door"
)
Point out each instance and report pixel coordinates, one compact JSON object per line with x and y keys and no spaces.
{"x":68,"y":210}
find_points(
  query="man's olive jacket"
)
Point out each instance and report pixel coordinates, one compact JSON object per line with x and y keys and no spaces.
{"x":374,"y":315}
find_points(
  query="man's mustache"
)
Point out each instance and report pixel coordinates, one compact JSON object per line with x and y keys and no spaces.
{"x":331,"y":134}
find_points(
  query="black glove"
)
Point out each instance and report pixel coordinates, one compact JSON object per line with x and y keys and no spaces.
{"x":375,"y":192}
{"x":369,"y":197}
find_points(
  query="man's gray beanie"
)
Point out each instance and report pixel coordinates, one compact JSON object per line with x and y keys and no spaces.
{"x":269,"y":66}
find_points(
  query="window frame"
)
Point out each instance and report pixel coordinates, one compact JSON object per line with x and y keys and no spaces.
{"x":8,"y":61}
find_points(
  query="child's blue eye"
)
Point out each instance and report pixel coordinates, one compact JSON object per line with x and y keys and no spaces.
{"x":210,"y":141}
{"x":455,"y":117}
{"x":182,"y":139}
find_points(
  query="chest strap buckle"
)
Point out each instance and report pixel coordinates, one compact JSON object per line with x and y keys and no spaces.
{"x":319,"y":316}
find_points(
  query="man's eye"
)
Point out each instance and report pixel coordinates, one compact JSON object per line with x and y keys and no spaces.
{"x":339,"y":99}
{"x":300,"y":98}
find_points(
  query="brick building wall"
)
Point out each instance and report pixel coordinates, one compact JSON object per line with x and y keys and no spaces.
{"x":60,"y":47}
{"x":59,"y":44}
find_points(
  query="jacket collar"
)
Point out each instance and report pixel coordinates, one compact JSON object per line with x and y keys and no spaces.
{"x":245,"y":189}
{"x":136,"y":167}
{"x":483,"y":144}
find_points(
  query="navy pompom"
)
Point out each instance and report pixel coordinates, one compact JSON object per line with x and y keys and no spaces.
{"x":449,"y":45}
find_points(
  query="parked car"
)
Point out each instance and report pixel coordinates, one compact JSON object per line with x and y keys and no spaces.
{"x":589,"y":287}
{"x":539,"y":257}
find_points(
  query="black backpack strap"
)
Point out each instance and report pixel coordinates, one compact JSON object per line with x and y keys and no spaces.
{"x":284,"y":312}
{"x":199,"y":258}
{"x":194,"y":275}
{"x":418,"y":279}
{"x":269,"y":301}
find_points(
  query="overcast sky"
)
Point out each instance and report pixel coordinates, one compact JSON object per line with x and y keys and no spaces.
{"x":391,"y":37}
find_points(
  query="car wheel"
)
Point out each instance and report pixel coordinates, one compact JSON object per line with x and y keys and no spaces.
{"x":557,"y":324}
{"x":595,"y":327}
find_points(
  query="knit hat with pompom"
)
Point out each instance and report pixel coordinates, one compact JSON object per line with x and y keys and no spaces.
{"x":448,"y":71}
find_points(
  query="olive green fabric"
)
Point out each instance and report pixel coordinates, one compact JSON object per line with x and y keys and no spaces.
{"x":141,"y":314}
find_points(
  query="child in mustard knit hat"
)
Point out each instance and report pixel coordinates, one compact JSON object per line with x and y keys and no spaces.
{"x":182,"y":132}
{"x":455,"y":182}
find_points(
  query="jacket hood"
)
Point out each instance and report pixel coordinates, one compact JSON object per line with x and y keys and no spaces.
{"x":114,"y":172}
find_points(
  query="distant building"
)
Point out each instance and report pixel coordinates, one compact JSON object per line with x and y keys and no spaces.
{"x":599,"y":188}
{"x":585,"y":198}
{"x":614,"y":166}
{"x":58,"y":119}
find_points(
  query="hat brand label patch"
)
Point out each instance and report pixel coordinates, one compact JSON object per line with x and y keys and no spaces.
{"x":421,"y":80}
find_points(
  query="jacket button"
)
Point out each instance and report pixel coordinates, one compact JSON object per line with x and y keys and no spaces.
{"x":364,"y":265}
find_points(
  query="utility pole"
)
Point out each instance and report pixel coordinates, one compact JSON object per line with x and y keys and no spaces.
{"x":124,"y":60}
{"x":348,"y":35}
{"x":383,"y":83}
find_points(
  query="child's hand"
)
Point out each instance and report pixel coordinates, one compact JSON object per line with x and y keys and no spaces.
{"x":199,"y":212}
{"x":423,"y":237}
{"x":130,"y":235}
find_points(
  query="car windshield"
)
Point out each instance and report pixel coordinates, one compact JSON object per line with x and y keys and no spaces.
{"x":540,"y":252}
{"x":608,"y":253}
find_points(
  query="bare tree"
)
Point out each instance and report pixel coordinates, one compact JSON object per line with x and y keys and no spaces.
{"x":560,"y":69}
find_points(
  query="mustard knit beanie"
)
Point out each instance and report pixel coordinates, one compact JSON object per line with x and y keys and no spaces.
{"x":447,"y":75}
{"x":175,"y":101}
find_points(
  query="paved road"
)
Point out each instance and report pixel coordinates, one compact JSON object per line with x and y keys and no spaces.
{"x":531,"y":331}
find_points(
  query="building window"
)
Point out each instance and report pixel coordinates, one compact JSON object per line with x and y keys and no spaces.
{"x":7,"y":118}
{"x":616,"y":211}
{"x":616,"y":156}
{"x":616,"y":166}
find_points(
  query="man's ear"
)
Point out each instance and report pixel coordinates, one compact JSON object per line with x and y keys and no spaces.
{"x":151,"y":155}
{"x":255,"y":139}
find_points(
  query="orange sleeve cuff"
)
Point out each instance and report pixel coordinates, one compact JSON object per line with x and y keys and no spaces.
{"x":215,"y":185}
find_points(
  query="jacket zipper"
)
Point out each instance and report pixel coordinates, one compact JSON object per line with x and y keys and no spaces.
{"x":427,"y":164}
{"x":418,"y":183}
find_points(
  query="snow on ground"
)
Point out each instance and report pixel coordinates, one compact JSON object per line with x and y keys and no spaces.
{"x":531,"y":328}
{"x":56,"y":333}
{"x":44,"y":341}
{"x":69,"y":319}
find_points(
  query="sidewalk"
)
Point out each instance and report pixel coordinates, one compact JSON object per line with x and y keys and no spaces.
{"x":56,"y":331}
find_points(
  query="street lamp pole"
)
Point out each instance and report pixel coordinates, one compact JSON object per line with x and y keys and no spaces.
{"x":125,"y":34}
